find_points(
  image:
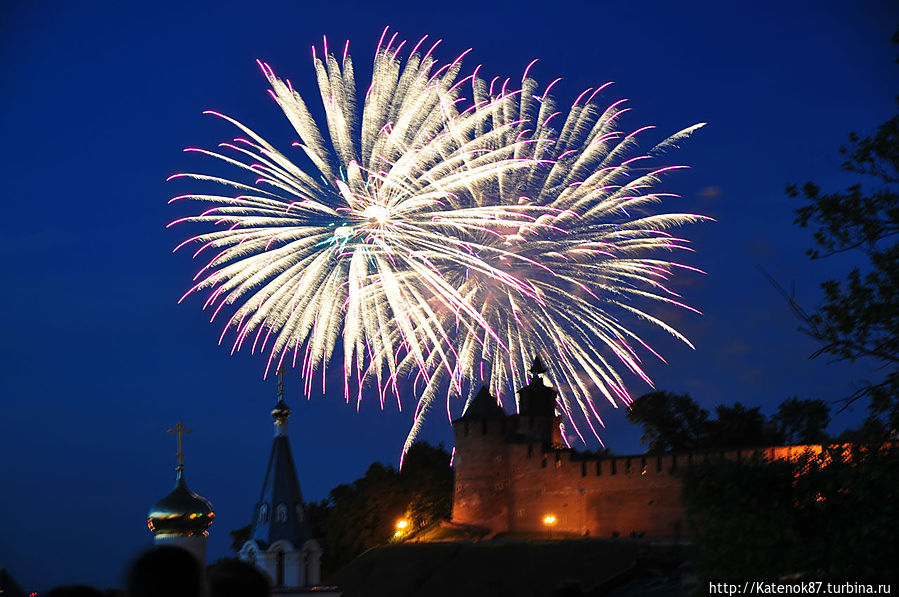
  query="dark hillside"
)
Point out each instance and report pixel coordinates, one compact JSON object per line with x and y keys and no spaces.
{"x":490,"y":568}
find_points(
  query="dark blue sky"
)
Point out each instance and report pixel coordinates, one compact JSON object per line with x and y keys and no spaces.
{"x":97,"y":100}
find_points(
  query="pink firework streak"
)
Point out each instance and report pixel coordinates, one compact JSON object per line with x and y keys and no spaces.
{"x":443,"y":231}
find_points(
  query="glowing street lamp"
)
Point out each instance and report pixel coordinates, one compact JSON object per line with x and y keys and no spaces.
{"x":400,"y":527}
{"x":549,"y":521}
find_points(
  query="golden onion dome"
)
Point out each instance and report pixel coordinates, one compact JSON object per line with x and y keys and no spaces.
{"x":182,"y":512}
{"x":281,"y":411}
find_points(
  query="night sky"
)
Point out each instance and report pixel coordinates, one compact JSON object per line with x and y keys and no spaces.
{"x":98,"y":99}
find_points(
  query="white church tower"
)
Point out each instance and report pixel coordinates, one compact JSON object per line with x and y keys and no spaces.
{"x":280,"y":542}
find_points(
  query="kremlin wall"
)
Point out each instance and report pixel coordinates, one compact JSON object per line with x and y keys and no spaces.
{"x":512,"y":472}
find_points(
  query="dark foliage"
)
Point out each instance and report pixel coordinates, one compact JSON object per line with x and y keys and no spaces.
{"x":671,"y":422}
{"x":363,"y":514}
{"x":832,"y":517}
{"x":739,"y":426}
{"x":859,"y":318}
{"x":740,"y":516}
{"x":802,"y":421}
{"x":675,"y":422}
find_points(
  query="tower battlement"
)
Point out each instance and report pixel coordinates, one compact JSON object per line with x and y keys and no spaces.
{"x":512,"y":473}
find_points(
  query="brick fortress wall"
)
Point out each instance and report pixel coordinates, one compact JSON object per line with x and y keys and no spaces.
{"x":511,"y":473}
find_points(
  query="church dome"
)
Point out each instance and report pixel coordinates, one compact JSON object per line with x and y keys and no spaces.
{"x":281,"y":411}
{"x":182,"y":512}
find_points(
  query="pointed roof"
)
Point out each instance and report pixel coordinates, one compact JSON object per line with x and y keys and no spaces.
{"x":537,"y":368}
{"x":537,"y":398}
{"x":280,"y":513}
{"x":483,"y":406}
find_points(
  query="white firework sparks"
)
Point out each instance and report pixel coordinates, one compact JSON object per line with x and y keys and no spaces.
{"x":441,"y":236}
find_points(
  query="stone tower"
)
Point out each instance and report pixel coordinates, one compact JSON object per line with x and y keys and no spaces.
{"x":486,"y":440}
{"x":280,"y":540}
{"x":480,"y":494}
{"x":537,"y":420}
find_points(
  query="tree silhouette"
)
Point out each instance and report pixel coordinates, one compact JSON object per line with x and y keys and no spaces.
{"x":859,"y":318}
{"x":738,"y":426}
{"x":671,"y":422}
{"x":802,"y":421}
{"x":360,"y":515}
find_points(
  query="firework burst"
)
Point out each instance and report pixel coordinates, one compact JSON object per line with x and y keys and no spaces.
{"x":441,"y":237}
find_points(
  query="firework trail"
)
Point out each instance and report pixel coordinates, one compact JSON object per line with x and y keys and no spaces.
{"x":592,"y":258}
{"x":441,"y":237}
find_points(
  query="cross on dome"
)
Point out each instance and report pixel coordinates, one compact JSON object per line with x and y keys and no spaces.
{"x":180,"y":431}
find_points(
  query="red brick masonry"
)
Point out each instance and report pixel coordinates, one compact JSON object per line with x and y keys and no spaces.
{"x":508,"y":484}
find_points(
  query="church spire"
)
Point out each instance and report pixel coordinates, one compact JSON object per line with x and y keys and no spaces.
{"x":281,"y":411}
{"x":280,"y":512}
{"x":280,"y":540}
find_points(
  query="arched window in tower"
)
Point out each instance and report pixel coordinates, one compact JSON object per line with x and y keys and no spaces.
{"x":299,"y":511}
{"x":263,"y":513}
{"x":281,"y":513}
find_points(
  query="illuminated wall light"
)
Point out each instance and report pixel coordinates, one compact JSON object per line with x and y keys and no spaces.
{"x":401,"y":526}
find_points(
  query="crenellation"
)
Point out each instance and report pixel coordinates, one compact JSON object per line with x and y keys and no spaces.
{"x":512,"y":472}
{"x":502,"y":484}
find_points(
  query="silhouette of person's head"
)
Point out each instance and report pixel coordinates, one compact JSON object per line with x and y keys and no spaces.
{"x":568,"y":588}
{"x":165,"y":571}
{"x":234,"y":578}
{"x":75,"y":591}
